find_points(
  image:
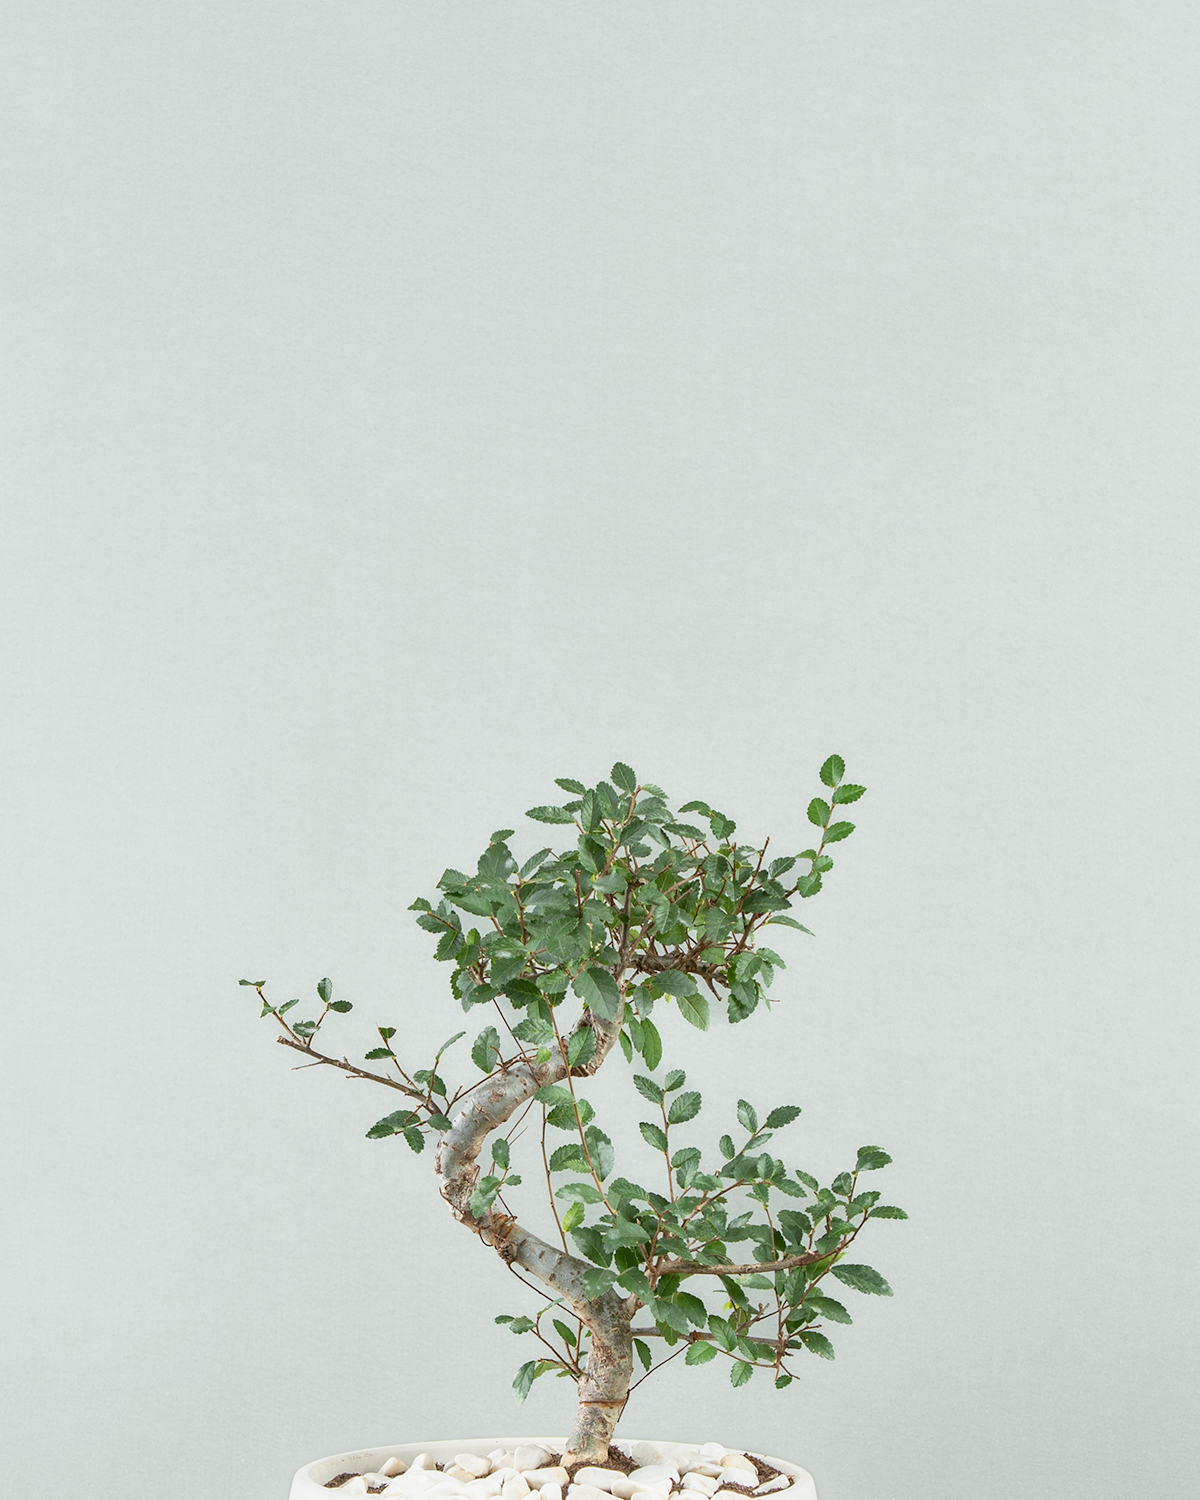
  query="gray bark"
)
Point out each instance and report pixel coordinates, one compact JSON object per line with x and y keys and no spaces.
{"x":604,"y":1387}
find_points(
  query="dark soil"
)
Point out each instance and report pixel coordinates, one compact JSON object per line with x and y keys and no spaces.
{"x":615,"y":1460}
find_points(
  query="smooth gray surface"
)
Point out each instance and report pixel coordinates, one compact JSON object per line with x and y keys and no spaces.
{"x":409,"y":403}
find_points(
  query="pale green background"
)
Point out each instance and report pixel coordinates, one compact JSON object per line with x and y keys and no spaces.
{"x":411,"y":402}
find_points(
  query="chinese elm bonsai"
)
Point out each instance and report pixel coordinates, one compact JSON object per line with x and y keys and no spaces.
{"x":568,"y":956}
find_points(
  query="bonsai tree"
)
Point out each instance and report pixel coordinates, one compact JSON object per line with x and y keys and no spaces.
{"x":579,"y":954}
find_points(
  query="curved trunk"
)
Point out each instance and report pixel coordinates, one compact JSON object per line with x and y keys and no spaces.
{"x":603,"y":1392}
{"x":604,"y":1386}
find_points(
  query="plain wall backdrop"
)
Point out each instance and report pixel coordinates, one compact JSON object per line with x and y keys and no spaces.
{"x":409,"y":403}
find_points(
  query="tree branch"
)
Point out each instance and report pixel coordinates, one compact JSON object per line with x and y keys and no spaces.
{"x":697,"y":1268}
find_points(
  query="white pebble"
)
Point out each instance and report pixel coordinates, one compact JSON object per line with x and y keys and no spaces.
{"x":507,"y":1472}
{"x":625,"y":1488}
{"x":551,"y":1492}
{"x":655,"y":1475}
{"x":712,"y":1470}
{"x":423,"y":1461}
{"x":371,"y":1480}
{"x":713,"y":1450}
{"x":529,"y":1456}
{"x":502,"y":1461}
{"x":515,"y":1488}
{"x":780,"y":1482}
{"x":538,"y":1478}
{"x":475,"y":1465}
{"x":732,"y":1459}
{"x":392,"y":1467}
{"x":598,"y":1478}
{"x":703,"y":1484}
{"x":586,"y":1492}
{"x":355,"y":1486}
{"x":484,"y":1489}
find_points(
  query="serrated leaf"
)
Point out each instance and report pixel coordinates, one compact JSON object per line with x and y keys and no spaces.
{"x":568,"y":784}
{"x":784,"y":1115}
{"x":838,"y":832}
{"x":596,"y":1281}
{"x":573,"y":1217}
{"x":485,"y":1050}
{"x":651,"y":1045}
{"x":550,"y":815}
{"x":579,"y":1192}
{"x":376,"y":1053}
{"x":257,"y":984}
{"x":525,"y":1377}
{"x":581,"y":1047}
{"x":387,"y":1032}
{"x":325,"y":990}
{"x":643,"y":1350}
{"x":833,"y":770}
{"x":728,"y":1150}
{"x":647,"y":1088}
{"x":788,"y":922}
{"x":740,"y":1372}
{"x":847,"y":793}
{"x":675,"y":1079}
{"x":569,"y":1158}
{"x":828,"y":1308}
{"x":694,"y":1009}
{"x":747,"y":1115}
{"x":653,"y":1135}
{"x":684,"y":1107}
{"x":816,"y":1343}
{"x":391,"y":1124}
{"x":674,"y":982}
{"x":862,"y":1279}
{"x":695,"y":1309}
{"x":600,"y":1149}
{"x":500,"y":1151}
{"x":598,"y":990}
{"x":887,"y":1211}
{"x":623,"y":777}
{"x":819,"y":812}
{"x":700,"y":1353}
{"x":871,"y":1158}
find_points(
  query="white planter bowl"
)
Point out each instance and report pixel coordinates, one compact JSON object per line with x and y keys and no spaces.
{"x":310,"y":1481}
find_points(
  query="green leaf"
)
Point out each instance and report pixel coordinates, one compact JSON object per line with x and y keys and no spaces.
{"x":596,"y":1281}
{"x":838,"y":832}
{"x":862,"y":1279}
{"x":666,"y":1314}
{"x":569,"y":785}
{"x":598,"y":990}
{"x":601,"y":1151}
{"x":784,"y":1115}
{"x":643,"y":1350}
{"x":787,"y":922}
{"x":871,"y":1158}
{"x":376,"y":1053}
{"x":581,"y":1047}
{"x":747,"y":1115}
{"x":573,"y":1217}
{"x":651,"y":1045}
{"x":819,"y":812}
{"x":414,"y":1139}
{"x":887,"y":1211}
{"x":728,"y":1150}
{"x":257,"y":984}
{"x":848,"y":793}
{"x":342,"y":1006}
{"x":550,"y":815}
{"x":387,"y":1032}
{"x":694,"y":1008}
{"x":484,"y":1195}
{"x":653,"y":1135}
{"x":675,"y":1079}
{"x":392,"y":1124}
{"x":781,"y":1381}
{"x":722,"y":1330}
{"x":485,"y":1050}
{"x":684,"y":1107}
{"x":740,"y":1372}
{"x":674,"y":982}
{"x":525,"y":1377}
{"x":569,"y":1158}
{"x":623,"y":777}
{"x":500,"y":1151}
{"x":828,"y":1308}
{"x":695,"y":1309}
{"x":807,"y":1179}
{"x":833,"y":770}
{"x":325,"y":990}
{"x":816,"y":1342}
{"x":647,"y":1088}
{"x":626,"y":1045}
{"x":700,"y":1354}
{"x":579,"y":1192}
